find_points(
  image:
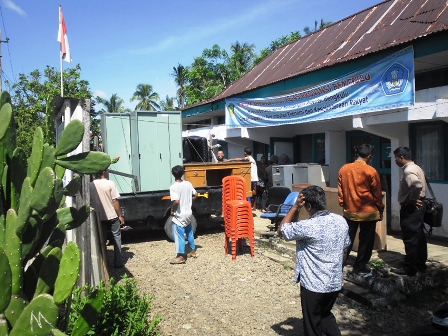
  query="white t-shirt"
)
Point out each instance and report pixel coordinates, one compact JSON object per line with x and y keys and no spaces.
{"x":182,"y":191}
{"x":102,"y":192}
{"x":253,"y":168}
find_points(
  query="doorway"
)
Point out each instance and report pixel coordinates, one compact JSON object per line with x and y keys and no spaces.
{"x":381,"y":160}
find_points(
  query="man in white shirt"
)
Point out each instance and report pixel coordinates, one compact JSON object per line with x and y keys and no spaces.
{"x":253,"y":172}
{"x":182,"y":194}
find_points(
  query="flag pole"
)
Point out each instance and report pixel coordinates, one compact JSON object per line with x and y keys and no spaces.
{"x":60,"y":57}
{"x":62,"y":77}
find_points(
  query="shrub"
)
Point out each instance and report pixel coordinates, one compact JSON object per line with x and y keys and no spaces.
{"x":124,"y":311}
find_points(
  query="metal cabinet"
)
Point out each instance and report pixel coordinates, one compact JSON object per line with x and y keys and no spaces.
{"x":149,"y":145}
{"x":287,"y":175}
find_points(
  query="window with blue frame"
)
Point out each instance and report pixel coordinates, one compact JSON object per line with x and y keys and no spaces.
{"x":429,"y":148}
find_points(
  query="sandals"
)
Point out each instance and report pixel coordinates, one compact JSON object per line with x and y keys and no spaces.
{"x":195,"y":255}
{"x":177,"y":261}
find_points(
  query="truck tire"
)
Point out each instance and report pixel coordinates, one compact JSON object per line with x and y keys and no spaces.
{"x":169,"y":227}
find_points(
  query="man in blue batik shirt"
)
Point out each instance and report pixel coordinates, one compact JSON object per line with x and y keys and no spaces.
{"x":321,"y":241}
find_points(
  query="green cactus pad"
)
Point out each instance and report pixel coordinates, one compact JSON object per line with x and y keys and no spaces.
{"x":15,"y":308}
{"x":57,"y":332}
{"x":86,"y":163}
{"x":58,"y":233}
{"x":48,"y":157}
{"x":5,"y":97}
{"x":5,"y":281}
{"x":59,"y":170}
{"x":40,"y":258}
{"x":38,"y":318}
{"x":89,"y":313}
{"x":72,"y":188}
{"x":35,"y":160}
{"x":43,"y":190}
{"x":18,"y":174}
{"x":67,"y":215}
{"x":68,"y":273}
{"x":13,"y":249}
{"x":30,"y":237}
{"x":5,"y":119}
{"x":23,"y":215}
{"x":82,"y":214}
{"x":71,"y":137}
{"x":48,"y":272}
{"x":47,"y":228}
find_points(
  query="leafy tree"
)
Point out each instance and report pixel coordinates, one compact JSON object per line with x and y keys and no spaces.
{"x":147,"y":98}
{"x":167,"y":104}
{"x":241,"y":59}
{"x":322,"y":25}
{"x":276,"y":44}
{"x":113,"y":105}
{"x":179,"y":74}
{"x":32,"y":92}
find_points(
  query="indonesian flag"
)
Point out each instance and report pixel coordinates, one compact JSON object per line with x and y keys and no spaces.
{"x":63,"y":38}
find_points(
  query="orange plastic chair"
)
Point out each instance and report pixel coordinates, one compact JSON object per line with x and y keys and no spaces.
{"x":239,"y":225}
{"x":237,"y":213}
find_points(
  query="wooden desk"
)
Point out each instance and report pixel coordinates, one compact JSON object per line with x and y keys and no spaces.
{"x":211,"y":174}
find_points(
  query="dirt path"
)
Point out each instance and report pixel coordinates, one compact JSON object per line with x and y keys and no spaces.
{"x":212,"y":295}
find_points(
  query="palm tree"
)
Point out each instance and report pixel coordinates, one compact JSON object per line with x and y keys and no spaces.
{"x":180,"y":79}
{"x":148,"y":99}
{"x":113,"y":105}
{"x":167,"y":104}
{"x":323,"y":24}
{"x":242,"y":57}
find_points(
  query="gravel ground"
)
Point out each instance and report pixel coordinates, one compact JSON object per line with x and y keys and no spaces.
{"x":213,"y":295}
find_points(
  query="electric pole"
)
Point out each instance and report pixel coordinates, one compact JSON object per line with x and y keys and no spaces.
{"x":1,"y":68}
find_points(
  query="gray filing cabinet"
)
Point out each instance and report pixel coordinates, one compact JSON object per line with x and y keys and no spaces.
{"x":287,"y":175}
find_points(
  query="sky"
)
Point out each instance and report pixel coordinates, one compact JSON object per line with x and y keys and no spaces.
{"x":120,"y":44}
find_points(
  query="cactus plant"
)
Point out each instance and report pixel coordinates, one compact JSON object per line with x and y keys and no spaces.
{"x":32,"y":214}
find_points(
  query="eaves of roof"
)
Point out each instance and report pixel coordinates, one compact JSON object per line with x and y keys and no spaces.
{"x":385,"y":25}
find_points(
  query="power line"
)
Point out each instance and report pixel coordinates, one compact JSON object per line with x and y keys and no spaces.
{"x":7,"y":39}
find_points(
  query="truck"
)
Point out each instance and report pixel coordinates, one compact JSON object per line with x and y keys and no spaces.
{"x":149,"y":144}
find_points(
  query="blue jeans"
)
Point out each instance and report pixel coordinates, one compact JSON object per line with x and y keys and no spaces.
{"x":179,"y":233}
{"x":113,"y":225}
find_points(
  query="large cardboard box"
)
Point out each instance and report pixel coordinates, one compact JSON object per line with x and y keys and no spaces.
{"x":331,"y":195}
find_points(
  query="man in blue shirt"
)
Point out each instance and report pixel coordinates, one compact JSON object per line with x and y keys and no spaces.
{"x":321,"y":241}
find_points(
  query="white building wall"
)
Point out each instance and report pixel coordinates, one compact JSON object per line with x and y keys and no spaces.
{"x":335,"y":153}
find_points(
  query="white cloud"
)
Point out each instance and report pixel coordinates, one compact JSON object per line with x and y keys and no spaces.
{"x":217,"y":26}
{"x":11,"y":5}
{"x":99,"y":93}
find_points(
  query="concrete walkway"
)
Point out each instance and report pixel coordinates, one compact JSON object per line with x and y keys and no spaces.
{"x":381,"y":286}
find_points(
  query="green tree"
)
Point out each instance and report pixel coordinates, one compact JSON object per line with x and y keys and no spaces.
{"x":322,"y":25}
{"x":113,"y":105}
{"x":167,"y":104}
{"x":147,"y":98}
{"x":30,"y":94}
{"x":179,"y":74}
{"x":276,"y":44}
{"x":208,"y":75}
{"x":241,"y":59}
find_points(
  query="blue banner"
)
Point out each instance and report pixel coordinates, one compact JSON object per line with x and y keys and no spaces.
{"x":387,"y":84}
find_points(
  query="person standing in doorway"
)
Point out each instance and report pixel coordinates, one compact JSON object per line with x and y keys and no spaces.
{"x":321,"y":241}
{"x":104,"y":199}
{"x":182,"y":194}
{"x":253,"y":173}
{"x":360,"y":196}
{"x":411,"y":194}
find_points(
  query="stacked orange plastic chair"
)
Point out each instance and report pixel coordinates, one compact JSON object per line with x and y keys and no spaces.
{"x":237,"y":213}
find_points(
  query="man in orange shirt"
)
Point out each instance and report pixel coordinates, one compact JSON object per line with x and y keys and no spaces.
{"x":359,"y":193}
